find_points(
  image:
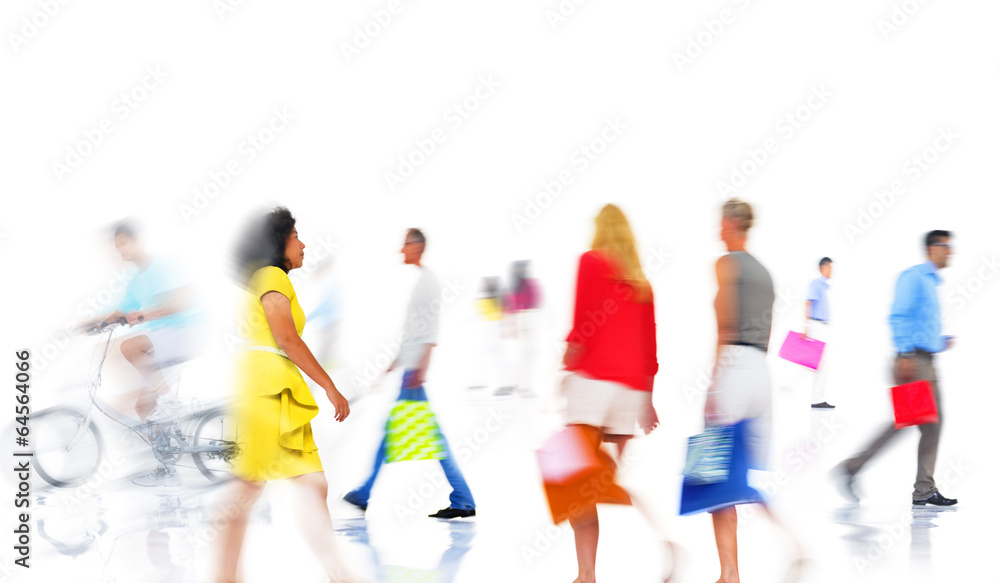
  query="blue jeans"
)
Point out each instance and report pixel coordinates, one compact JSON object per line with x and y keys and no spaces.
{"x":460,"y":497}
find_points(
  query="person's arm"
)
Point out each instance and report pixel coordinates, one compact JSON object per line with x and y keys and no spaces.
{"x":420,"y":372}
{"x":175,"y":300}
{"x":587,"y":281}
{"x":649,"y":420}
{"x":278,"y":311}
{"x":901,"y":318}
{"x":727,"y":272}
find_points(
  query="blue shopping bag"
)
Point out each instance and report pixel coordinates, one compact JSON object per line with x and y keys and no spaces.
{"x":715,"y":474}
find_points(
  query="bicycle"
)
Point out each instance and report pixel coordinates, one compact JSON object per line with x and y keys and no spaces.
{"x":69,"y":448}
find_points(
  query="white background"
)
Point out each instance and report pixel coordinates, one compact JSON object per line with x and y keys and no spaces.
{"x":557,"y":83}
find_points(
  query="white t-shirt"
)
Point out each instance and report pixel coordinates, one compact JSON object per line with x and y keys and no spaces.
{"x":422,"y":313}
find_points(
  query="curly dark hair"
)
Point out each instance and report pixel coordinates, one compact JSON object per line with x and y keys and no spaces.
{"x":264,"y":242}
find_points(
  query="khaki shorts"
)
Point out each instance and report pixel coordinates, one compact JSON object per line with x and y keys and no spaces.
{"x":613,"y":407}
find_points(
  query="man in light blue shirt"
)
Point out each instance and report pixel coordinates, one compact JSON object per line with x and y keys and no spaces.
{"x":817,"y":327}
{"x":916,"y":332}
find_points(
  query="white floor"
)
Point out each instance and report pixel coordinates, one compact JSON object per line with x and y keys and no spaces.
{"x":120,"y":532}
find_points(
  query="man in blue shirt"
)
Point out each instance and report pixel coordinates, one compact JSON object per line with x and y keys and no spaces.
{"x":916,"y":332}
{"x":161,"y":309}
{"x":817,"y":327}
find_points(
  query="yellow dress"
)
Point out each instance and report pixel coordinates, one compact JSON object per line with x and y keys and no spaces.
{"x":274,"y":405}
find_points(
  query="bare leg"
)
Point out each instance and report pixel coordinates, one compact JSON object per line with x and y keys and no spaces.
{"x":669,"y":548}
{"x":586,"y":531}
{"x":317,"y":527}
{"x":233,"y":515}
{"x":724,"y":522}
{"x":798,"y":560}
{"x":138,"y":350}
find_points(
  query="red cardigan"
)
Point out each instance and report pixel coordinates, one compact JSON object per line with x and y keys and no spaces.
{"x":617,"y":334}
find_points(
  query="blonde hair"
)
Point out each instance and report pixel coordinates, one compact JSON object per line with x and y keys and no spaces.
{"x":735,"y":208}
{"x":613,"y":235}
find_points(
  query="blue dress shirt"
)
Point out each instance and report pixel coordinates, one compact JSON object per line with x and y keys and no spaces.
{"x":916,"y":313}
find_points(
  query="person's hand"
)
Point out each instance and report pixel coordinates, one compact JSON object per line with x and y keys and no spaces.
{"x":340,"y":406}
{"x":649,"y":420}
{"x":904,"y":370}
{"x":135,"y":317}
{"x":416,"y":379}
{"x":572,"y":355}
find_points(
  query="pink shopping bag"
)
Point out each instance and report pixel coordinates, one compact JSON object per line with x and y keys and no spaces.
{"x":804,"y":351}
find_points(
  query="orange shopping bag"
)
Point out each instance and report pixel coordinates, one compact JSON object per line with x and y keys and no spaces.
{"x":913,"y":403}
{"x":577,"y":473}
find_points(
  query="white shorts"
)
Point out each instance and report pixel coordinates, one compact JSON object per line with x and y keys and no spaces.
{"x":741,"y":390}
{"x":613,"y":407}
{"x":176,"y":344}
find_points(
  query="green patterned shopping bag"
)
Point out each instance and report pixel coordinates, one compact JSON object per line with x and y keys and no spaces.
{"x":412,"y":433}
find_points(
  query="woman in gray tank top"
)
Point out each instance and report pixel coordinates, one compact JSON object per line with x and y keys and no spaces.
{"x":741,"y":385}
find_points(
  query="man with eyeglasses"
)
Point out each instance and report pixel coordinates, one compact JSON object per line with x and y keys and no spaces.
{"x":916,"y":332}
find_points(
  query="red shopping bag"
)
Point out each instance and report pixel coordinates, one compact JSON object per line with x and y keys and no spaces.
{"x":577,"y":474}
{"x":913,"y":404}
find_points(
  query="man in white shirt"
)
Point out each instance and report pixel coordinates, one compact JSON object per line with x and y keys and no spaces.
{"x":420,"y":332}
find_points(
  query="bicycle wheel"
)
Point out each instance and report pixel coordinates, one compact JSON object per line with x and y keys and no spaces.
{"x":220,"y":435}
{"x":56,"y":461}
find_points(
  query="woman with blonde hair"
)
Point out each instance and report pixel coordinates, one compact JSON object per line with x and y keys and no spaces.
{"x":611,"y":357}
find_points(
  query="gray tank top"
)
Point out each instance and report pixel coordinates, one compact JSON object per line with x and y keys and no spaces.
{"x":755,"y":296}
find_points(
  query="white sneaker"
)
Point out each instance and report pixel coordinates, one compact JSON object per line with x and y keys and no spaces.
{"x":166,"y":407}
{"x":161,"y":476}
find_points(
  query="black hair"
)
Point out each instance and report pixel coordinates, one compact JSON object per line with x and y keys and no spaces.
{"x":824,"y":261}
{"x":264,"y":243}
{"x":126,"y":228}
{"x":935,"y":237}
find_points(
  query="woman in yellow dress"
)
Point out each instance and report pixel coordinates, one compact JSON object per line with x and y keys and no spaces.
{"x":274,"y":405}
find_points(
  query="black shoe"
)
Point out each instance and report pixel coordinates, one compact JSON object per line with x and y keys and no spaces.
{"x":845,"y":484}
{"x":937,"y":500}
{"x":453,"y":513}
{"x":352,"y":499}
{"x":823,"y":405}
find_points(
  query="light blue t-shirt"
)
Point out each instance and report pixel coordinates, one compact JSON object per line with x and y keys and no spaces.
{"x":819,"y":309}
{"x":148,"y":289}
